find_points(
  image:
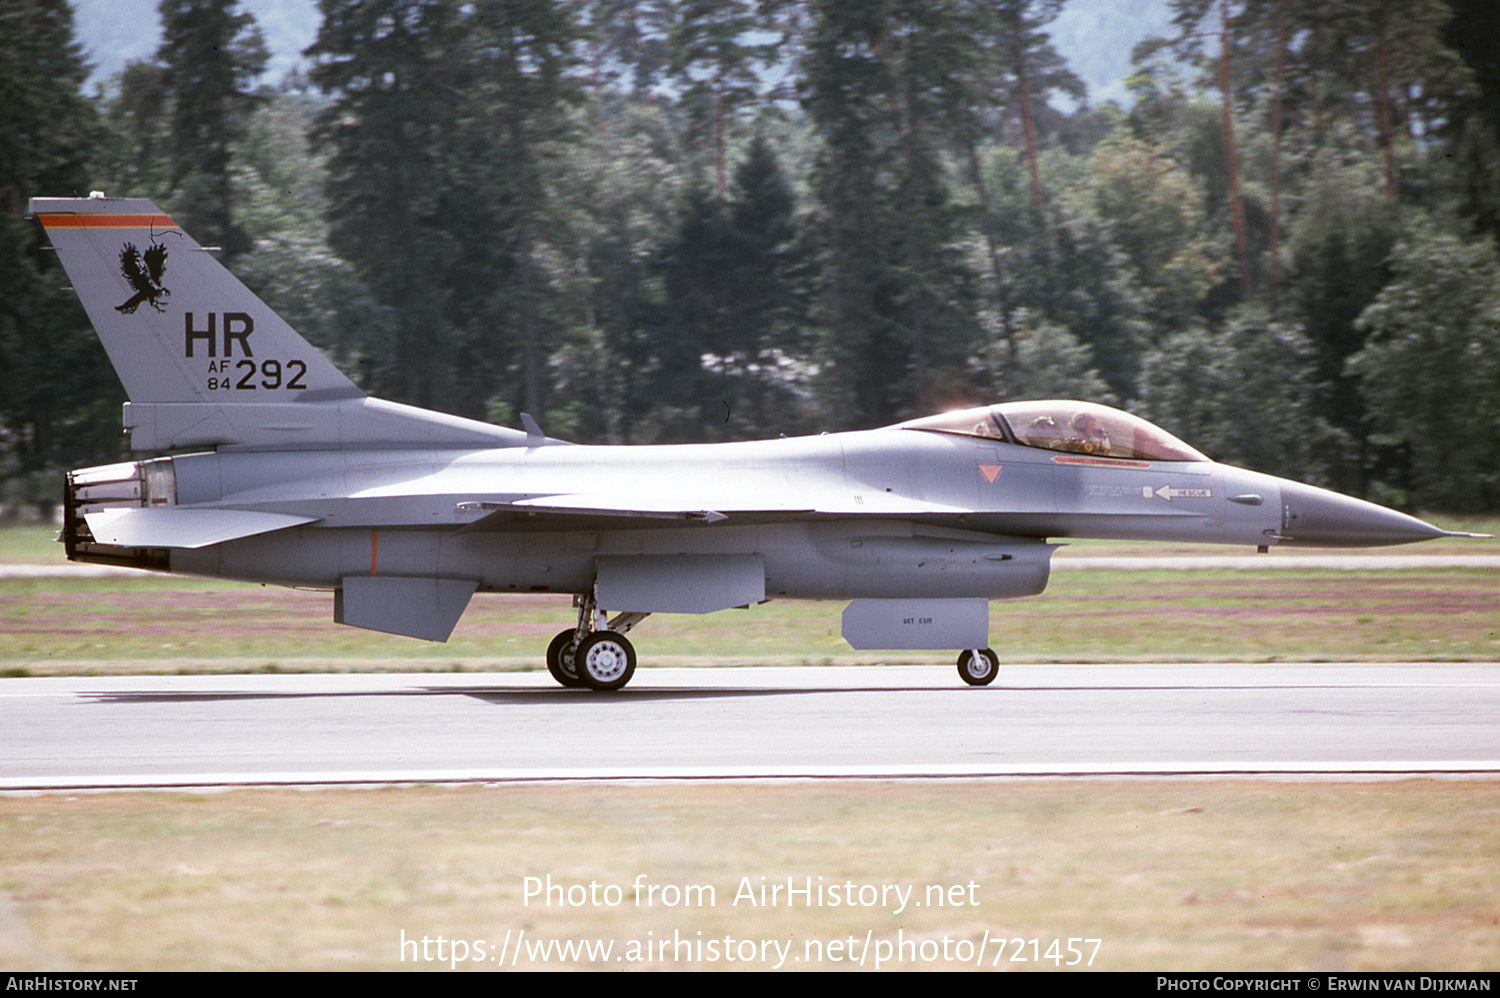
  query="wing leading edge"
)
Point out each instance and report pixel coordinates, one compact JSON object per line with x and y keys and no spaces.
{"x":568,"y":511}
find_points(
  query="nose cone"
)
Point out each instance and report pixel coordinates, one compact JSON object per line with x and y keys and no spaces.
{"x":1314,"y":517}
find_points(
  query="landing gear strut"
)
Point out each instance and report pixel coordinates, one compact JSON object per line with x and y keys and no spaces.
{"x":978,"y":666}
{"x":594,"y":654}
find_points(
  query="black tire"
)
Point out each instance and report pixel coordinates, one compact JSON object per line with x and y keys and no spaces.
{"x":560,"y":659}
{"x":978,"y":666}
{"x":604,"y":661}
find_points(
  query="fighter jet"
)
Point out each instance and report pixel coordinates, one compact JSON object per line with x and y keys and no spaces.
{"x":263,"y":463}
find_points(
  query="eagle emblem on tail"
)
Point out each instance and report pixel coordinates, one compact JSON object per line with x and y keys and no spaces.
{"x":143,"y":272}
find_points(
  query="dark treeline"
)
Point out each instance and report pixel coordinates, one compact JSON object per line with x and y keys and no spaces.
{"x":671,"y":220}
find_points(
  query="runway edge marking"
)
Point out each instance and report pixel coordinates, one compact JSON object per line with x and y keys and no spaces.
{"x":717,"y":774}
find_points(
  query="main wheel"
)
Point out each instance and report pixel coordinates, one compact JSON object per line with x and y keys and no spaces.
{"x":560,"y":659}
{"x":604,"y":661}
{"x":978,"y":666}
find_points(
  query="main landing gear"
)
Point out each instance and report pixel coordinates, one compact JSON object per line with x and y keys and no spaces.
{"x":594,"y":654}
{"x":978,"y":666}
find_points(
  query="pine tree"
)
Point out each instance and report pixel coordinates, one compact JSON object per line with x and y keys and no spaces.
{"x":732,"y":344}
{"x":718,"y":53}
{"x":1430,"y":372}
{"x":135,"y":154}
{"x":522,"y":55}
{"x":629,"y":39}
{"x":898,"y":299}
{"x":211,"y":53}
{"x":59,"y":400}
{"x":1012,"y":70}
{"x":845,"y":86}
{"x":391,"y":67}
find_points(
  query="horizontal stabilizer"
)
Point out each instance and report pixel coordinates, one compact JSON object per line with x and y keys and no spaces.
{"x":181,"y":527}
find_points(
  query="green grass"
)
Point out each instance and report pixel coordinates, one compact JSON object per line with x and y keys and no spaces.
{"x":1278,"y":612}
{"x":1224,"y":875}
{"x":30,"y":544}
{"x":163,"y":624}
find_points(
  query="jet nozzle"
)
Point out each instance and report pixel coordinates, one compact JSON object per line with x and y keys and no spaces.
{"x":1313,"y":517}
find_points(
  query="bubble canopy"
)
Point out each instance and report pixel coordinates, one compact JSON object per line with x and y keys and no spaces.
{"x":1067,"y":427}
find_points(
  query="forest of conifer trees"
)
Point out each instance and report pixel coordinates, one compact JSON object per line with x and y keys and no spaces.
{"x":629,"y":218}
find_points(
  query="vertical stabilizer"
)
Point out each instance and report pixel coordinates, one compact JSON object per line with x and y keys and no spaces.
{"x":204,"y":361}
{"x":177,"y":326}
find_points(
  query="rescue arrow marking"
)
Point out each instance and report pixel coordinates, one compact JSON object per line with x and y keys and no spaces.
{"x":1168,"y":493}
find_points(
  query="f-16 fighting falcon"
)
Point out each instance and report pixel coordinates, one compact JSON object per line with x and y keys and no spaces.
{"x":262,"y":462}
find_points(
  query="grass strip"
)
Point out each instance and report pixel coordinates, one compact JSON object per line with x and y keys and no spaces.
{"x":1186,"y":875}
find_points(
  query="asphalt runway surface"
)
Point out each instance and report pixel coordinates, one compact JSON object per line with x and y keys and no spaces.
{"x":1307,"y":720}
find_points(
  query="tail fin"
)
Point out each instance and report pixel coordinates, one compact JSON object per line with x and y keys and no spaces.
{"x":203,"y":360}
{"x":178,"y":327}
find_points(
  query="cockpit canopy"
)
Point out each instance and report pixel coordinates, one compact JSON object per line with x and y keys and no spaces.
{"x":1069,"y":427}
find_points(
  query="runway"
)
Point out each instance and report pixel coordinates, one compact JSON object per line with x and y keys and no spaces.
{"x":1310,"y":720}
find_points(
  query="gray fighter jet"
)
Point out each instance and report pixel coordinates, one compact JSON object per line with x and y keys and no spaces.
{"x":280,"y":470}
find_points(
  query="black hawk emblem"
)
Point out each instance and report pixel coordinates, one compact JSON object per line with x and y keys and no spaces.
{"x":143,"y":271}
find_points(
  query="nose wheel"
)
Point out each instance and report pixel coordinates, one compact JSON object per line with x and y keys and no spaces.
{"x":978,"y":666}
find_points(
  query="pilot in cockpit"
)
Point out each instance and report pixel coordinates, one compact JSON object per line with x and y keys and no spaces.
{"x":1042,"y":432}
{"x":1089,"y":436}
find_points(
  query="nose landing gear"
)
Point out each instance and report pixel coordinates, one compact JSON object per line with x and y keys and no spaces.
{"x":978,"y":666}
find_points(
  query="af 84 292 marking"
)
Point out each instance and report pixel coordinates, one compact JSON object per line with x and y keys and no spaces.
{"x":247,"y":375}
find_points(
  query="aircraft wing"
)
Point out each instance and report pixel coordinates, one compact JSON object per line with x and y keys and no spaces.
{"x":592,"y":512}
{"x":579,"y":510}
